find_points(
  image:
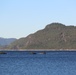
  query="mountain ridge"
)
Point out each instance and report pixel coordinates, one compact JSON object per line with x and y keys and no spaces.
{"x":53,"y":36}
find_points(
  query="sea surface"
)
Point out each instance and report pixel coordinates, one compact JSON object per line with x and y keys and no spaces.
{"x":38,"y":63}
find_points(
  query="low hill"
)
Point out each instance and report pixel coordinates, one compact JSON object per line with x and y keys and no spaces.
{"x":53,"y":36}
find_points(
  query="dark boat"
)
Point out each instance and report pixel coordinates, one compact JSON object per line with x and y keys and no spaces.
{"x":37,"y":52}
{"x":33,"y":53}
{"x":3,"y":52}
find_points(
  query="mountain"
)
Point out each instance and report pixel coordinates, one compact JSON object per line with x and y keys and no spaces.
{"x":53,"y":36}
{"x":5,"y":41}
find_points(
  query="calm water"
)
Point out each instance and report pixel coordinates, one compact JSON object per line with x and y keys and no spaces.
{"x":27,"y":63}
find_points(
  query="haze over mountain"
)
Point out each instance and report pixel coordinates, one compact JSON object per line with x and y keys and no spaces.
{"x":6,"y":41}
{"x":53,"y":36}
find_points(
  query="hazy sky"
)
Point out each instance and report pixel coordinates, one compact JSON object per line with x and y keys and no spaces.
{"x":19,"y":18}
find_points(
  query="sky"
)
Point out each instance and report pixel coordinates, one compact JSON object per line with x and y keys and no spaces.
{"x":19,"y":18}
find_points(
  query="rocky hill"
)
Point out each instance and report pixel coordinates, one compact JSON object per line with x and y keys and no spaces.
{"x":53,"y":36}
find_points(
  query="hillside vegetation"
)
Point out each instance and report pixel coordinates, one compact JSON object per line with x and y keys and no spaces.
{"x":53,"y":36}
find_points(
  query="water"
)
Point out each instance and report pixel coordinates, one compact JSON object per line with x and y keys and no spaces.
{"x":38,"y":63}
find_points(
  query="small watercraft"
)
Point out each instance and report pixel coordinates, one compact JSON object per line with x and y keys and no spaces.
{"x":2,"y":52}
{"x":37,"y":52}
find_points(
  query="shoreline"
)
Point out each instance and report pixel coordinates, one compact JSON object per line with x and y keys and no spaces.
{"x":37,"y":49}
